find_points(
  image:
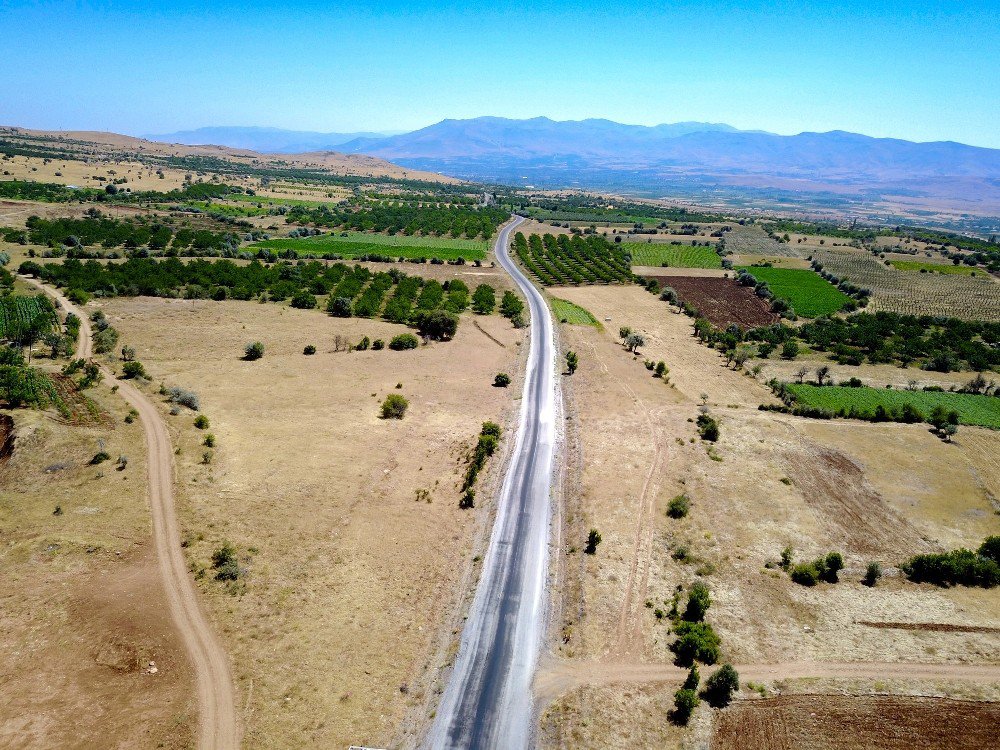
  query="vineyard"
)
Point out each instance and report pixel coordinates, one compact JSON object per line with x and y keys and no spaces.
{"x":673,"y":255}
{"x":20,"y":316}
{"x":577,"y":260}
{"x":567,"y":312}
{"x":914,"y":293}
{"x":973,"y":409}
{"x":359,"y":244}
{"x":752,"y":240}
{"x":722,"y":301}
{"x":945,"y":268}
{"x":806,"y":291}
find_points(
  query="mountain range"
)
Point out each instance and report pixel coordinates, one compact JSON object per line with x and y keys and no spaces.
{"x":263,"y":140}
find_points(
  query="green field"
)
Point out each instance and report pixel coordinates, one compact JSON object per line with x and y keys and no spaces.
{"x":353,"y":244}
{"x":569,"y":313}
{"x":947,"y":268}
{"x":673,"y":255}
{"x":809,"y":294}
{"x":972,"y":409}
{"x":20,"y":314}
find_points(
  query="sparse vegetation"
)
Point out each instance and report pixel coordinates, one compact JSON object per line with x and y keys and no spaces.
{"x":253,"y":351}
{"x":394,"y":406}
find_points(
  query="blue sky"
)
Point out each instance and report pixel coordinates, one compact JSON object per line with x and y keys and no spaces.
{"x":916,"y":70}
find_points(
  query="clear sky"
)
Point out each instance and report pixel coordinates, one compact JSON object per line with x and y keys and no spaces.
{"x":915,"y":69}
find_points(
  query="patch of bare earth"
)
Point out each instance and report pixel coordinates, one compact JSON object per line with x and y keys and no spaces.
{"x":356,"y":554}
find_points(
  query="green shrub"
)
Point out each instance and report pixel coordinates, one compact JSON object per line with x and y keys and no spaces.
{"x":872,"y":573}
{"x":502,"y":380}
{"x":719,"y":688}
{"x":679,"y":506}
{"x":253,"y":351}
{"x":209,"y":441}
{"x":309,"y":349}
{"x":439,"y":325}
{"x":685,"y":702}
{"x":708,"y":428}
{"x":99,"y":458}
{"x":339,"y":307}
{"x":394,"y":406}
{"x":790,"y":349}
{"x":699,"y":600}
{"x":958,"y":567}
{"x":990,"y":548}
{"x":593,"y":539}
{"x":693,"y":678}
{"x":201,"y":422}
{"x":805,"y":574}
{"x":834,"y":564}
{"x":303,"y":300}
{"x":364,"y":344}
{"x":404,"y":341}
{"x":133,"y":370}
{"x":696,"y":641}
{"x":225,"y":563}
{"x":378,"y":345}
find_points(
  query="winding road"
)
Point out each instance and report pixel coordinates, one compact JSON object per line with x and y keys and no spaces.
{"x":219,"y":727}
{"x":488,"y":700}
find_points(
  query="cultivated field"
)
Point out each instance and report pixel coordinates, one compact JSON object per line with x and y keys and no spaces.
{"x":914,"y":293}
{"x":672,"y":255}
{"x":567,"y":312}
{"x":354,"y":244}
{"x":348,"y":525}
{"x":722,"y":301}
{"x":752,"y":240}
{"x":807,"y":292}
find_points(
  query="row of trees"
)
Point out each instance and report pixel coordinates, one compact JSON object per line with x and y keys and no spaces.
{"x":404,"y":218}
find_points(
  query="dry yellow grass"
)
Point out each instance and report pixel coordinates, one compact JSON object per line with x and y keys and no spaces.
{"x":352,"y":572}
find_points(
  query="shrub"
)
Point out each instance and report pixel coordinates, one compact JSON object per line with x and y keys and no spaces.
{"x":805,"y":574}
{"x":225,"y":563}
{"x":209,"y":441}
{"x":403,"y":341}
{"x":99,"y":458}
{"x":958,"y":567}
{"x":708,"y":428}
{"x":698,"y":603}
{"x":133,"y":370}
{"x":303,"y":300}
{"x":78,"y":296}
{"x":378,"y":345}
{"x":253,"y":351}
{"x":696,"y":641}
{"x":790,"y":349}
{"x":719,"y":688}
{"x":693,"y":678}
{"x":484,"y":301}
{"x":439,"y":325}
{"x":394,"y":406}
{"x":572,"y":362}
{"x":364,"y":344}
{"x":685,"y":702}
{"x":593,"y":539}
{"x":872,"y":573}
{"x":834,"y":564}
{"x":339,"y":307}
{"x":502,"y":380}
{"x":184,"y":398}
{"x":679,"y":506}
{"x":468,"y":499}
{"x":201,"y":421}
{"x":105,"y":340}
{"x":309,"y":349}
{"x":990,"y":548}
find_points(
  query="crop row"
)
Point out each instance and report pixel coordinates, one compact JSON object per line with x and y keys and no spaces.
{"x":577,"y":260}
{"x":23,"y":318}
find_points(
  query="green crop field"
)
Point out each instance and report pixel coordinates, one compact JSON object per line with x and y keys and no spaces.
{"x":18,"y":314}
{"x":567,"y":312}
{"x":809,"y":294}
{"x":972,"y":409}
{"x":947,"y":268}
{"x":673,"y":255}
{"x":354,"y":244}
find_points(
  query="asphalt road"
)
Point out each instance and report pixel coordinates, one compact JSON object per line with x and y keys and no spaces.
{"x":488,"y":700}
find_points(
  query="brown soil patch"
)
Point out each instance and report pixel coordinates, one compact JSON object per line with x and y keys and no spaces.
{"x":934,"y":627}
{"x":722,"y":301}
{"x":821,"y":722}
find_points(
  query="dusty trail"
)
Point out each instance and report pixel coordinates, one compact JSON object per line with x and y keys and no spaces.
{"x":557,"y":677}
{"x":219,"y":727}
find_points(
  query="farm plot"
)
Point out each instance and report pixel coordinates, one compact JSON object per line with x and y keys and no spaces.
{"x":914,"y":293}
{"x":357,"y":244}
{"x":674,"y":255}
{"x":567,"y":312}
{"x":949,"y":269}
{"x":809,"y":294}
{"x":973,"y":409}
{"x":882,"y":722}
{"x":19,"y":315}
{"x":576,"y":260}
{"x":752,"y":240}
{"x":722,"y":301}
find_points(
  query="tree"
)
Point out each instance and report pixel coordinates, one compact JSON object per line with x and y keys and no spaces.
{"x":719,"y":688}
{"x":696,"y":641}
{"x":593,"y":539}
{"x":439,"y":325}
{"x":990,"y":548}
{"x":693,"y":678}
{"x":484,"y":300}
{"x":133,"y":369}
{"x":572,"y":362}
{"x":253,"y":351}
{"x":502,"y":380}
{"x":685,"y":702}
{"x":303,"y":300}
{"x":801,"y":373}
{"x":511,"y":305}
{"x":822,"y":373}
{"x":339,"y":307}
{"x":872,"y":573}
{"x":661,"y":369}
{"x":708,"y":428}
{"x":790,"y":349}
{"x":394,"y":406}
{"x":633,"y":341}
{"x":834,"y":564}
{"x":403,"y":341}
{"x":678,"y":506}
{"x":128,"y":354}
{"x":624,"y":332}
{"x":698,"y":603}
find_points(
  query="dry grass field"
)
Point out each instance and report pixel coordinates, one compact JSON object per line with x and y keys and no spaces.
{"x":81,"y":605}
{"x":872,"y":492}
{"x":356,"y":552}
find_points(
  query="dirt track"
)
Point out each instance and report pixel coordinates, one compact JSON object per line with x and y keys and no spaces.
{"x":219,"y":728}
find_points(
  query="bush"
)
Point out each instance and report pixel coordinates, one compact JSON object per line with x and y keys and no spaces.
{"x":698,"y":603}
{"x":394,"y":406}
{"x":403,"y":341}
{"x":685,"y":702}
{"x":958,"y":567}
{"x":133,"y":370}
{"x":201,"y":421}
{"x":99,"y":458}
{"x":310,"y":349}
{"x":502,"y":380}
{"x":364,"y":344}
{"x":834,"y":564}
{"x":719,"y":688}
{"x":696,"y":641}
{"x":225,"y":563}
{"x":339,"y":307}
{"x":78,"y":296}
{"x":990,"y":548}
{"x":303,"y":300}
{"x":209,"y":441}
{"x":253,"y":351}
{"x":439,"y":325}
{"x":105,"y":340}
{"x":378,"y":345}
{"x":593,"y":539}
{"x":872,"y":573}
{"x":679,"y":506}
{"x":790,"y":349}
{"x":708,"y":428}
{"x":805,"y":574}
{"x":184,"y":398}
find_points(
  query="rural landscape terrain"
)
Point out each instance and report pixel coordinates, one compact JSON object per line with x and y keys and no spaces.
{"x":396,"y":443}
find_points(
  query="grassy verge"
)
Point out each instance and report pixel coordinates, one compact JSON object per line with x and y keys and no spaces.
{"x":567,"y":312}
{"x":983,"y":411}
{"x":353,"y":244}
{"x":673,"y":255}
{"x":809,"y":294}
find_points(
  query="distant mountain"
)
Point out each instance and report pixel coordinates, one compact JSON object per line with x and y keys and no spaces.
{"x":264,"y":140}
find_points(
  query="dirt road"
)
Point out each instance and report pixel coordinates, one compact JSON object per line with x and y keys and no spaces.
{"x":219,"y":728}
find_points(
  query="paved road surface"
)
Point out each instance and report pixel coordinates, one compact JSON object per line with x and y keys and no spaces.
{"x":218,"y":725}
{"x":488,"y":701}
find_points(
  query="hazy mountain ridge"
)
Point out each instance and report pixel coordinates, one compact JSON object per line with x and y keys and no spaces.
{"x":264,"y":140}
